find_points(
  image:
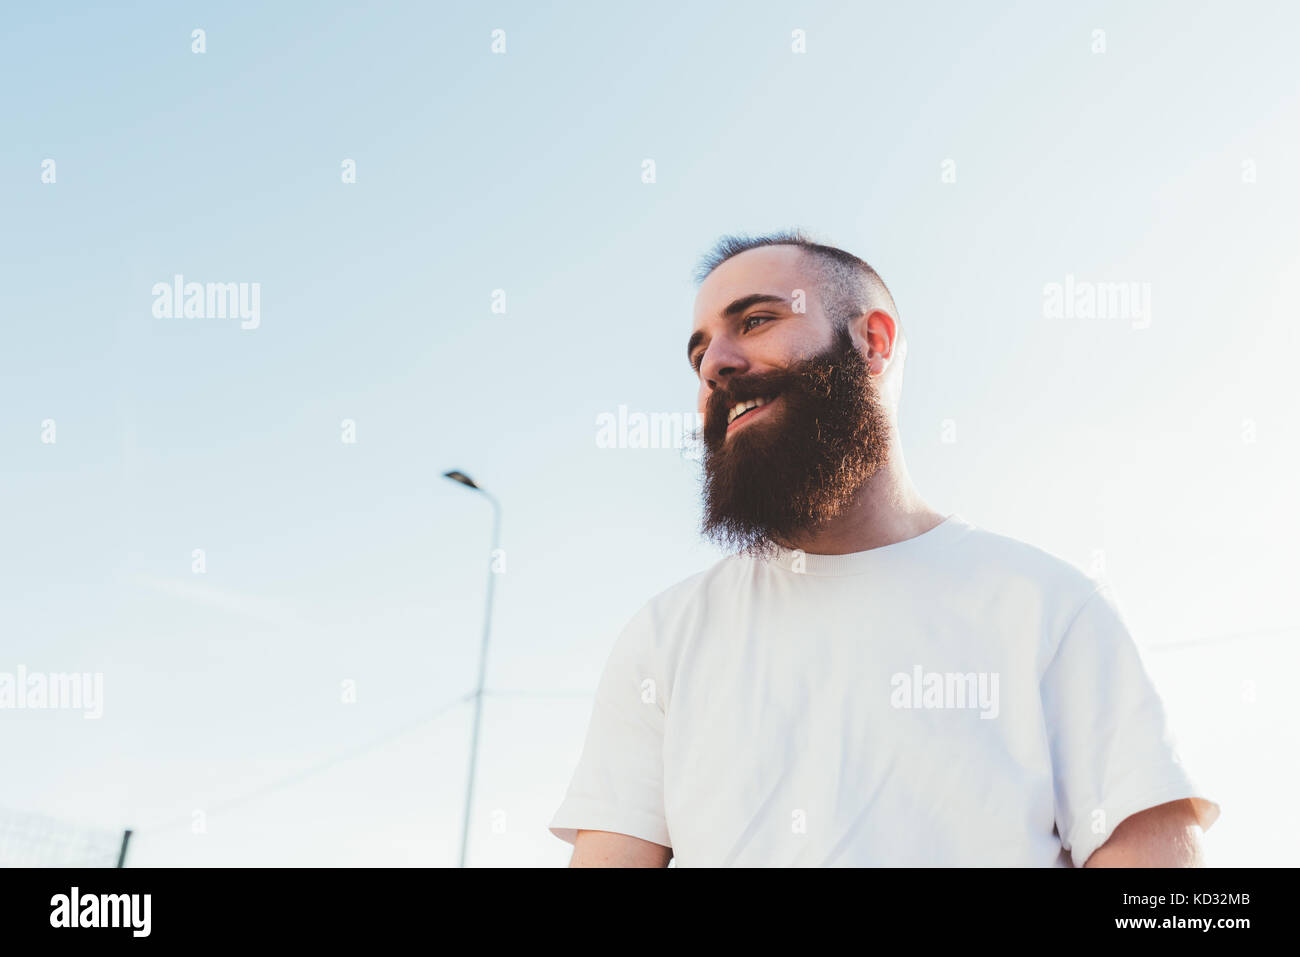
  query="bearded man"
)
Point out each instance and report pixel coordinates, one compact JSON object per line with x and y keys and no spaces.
{"x":864,"y":680}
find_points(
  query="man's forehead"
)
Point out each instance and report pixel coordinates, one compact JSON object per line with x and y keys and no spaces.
{"x":767,"y":270}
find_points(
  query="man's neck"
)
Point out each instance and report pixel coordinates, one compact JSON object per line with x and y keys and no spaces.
{"x":887,"y":510}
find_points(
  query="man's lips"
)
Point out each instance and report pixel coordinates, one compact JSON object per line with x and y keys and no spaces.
{"x":740,"y":421}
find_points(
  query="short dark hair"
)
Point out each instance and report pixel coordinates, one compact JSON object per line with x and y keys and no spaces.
{"x":848,"y":286}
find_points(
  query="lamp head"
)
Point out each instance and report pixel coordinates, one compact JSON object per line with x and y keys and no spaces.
{"x":458,"y":476}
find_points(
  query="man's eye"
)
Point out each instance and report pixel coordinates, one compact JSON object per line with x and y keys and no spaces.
{"x":696,"y":360}
{"x":749,"y":319}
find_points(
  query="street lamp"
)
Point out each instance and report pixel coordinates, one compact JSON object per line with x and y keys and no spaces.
{"x":463,"y":479}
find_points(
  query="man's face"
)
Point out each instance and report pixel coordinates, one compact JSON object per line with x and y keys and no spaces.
{"x":745,"y":321}
{"x":793,"y":426}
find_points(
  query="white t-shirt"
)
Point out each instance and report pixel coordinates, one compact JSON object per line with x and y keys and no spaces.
{"x":960,"y":698}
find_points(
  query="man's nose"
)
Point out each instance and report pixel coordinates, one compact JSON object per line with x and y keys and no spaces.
{"x":721,"y":361}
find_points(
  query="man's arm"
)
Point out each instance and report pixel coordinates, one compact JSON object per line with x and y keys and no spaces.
{"x":607,"y":849}
{"x":1167,"y":835}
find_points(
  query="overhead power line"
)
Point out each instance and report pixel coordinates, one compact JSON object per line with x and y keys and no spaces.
{"x":298,"y":777}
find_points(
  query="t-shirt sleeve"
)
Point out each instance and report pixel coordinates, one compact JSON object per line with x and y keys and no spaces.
{"x":618,"y":785}
{"x":1113,"y":751}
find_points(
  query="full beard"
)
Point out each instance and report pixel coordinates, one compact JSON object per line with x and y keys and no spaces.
{"x":770,"y":482}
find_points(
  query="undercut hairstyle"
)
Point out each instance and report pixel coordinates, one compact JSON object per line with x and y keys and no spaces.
{"x":847,"y":285}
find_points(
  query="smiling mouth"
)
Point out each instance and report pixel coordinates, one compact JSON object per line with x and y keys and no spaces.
{"x":744,"y":409}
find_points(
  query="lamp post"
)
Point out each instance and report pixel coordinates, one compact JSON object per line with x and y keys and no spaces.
{"x":463,"y":479}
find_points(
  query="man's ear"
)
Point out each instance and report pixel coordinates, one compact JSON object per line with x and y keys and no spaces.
{"x":874,"y":334}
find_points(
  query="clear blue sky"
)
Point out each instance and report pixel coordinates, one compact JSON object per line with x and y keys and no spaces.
{"x":329,"y":561}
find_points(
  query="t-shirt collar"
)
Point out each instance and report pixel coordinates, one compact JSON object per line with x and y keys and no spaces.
{"x":857,"y":563}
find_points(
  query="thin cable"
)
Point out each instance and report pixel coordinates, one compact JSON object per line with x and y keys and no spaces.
{"x":305,"y":773}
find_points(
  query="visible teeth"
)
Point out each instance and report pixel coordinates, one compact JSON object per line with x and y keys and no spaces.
{"x":741,"y":408}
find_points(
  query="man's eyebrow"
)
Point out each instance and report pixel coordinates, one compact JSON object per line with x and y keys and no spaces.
{"x":734,"y":308}
{"x":744,"y":302}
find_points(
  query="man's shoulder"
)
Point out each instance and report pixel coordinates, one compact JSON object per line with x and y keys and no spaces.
{"x":686,"y":593}
{"x":995,"y":556}
{"x":673,"y":613}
